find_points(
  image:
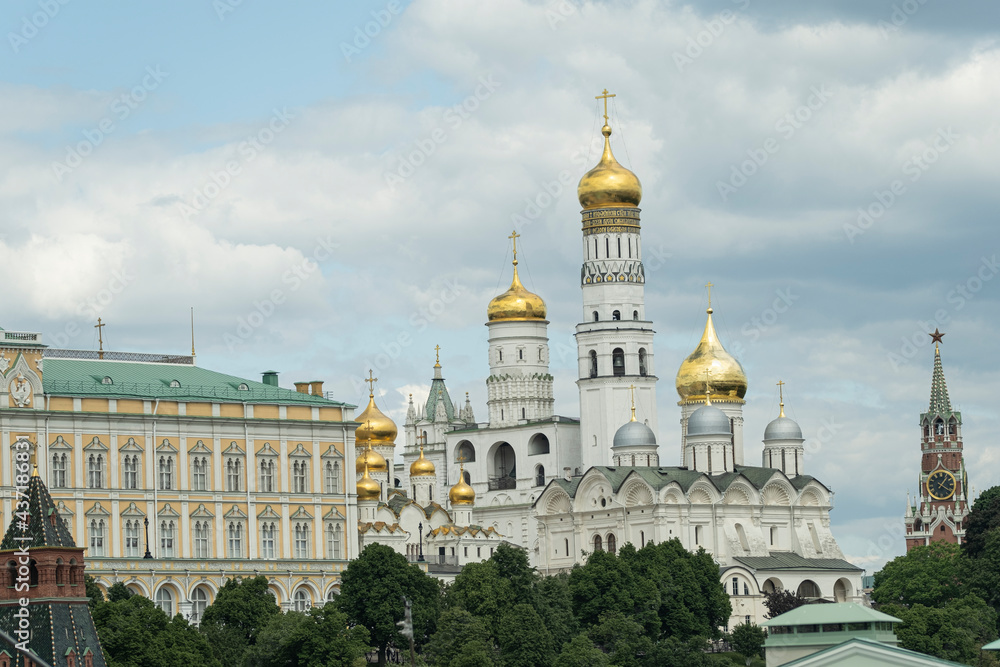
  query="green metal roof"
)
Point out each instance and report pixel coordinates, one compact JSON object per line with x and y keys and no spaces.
{"x":867,"y":652}
{"x":85,"y":378}
{"x":839,"y":612}
{"x":787,"y":560}
{"x":992,"y":646}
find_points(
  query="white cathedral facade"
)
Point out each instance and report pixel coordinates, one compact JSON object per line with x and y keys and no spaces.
{"x":562,"y":487}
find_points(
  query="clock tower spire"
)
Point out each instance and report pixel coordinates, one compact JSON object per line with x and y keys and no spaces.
{"x":941,"y":506}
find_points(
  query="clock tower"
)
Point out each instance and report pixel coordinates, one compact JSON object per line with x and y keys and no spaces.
{"x":941,"y":506}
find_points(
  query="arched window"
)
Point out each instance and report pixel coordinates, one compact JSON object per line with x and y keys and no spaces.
{"x":235,"y":543}
{"x":96,"y":537}
{"x":635,"y":315}
{"x":165,"y":601}
{"x":167,"y":539}
{"x":301,"y":542}
{"x":199,"y":473}
{"x":202,"y":539}
{"x":593,"y":363}
{"x":267,"y":476}
{"x":539,"y":475}
{"x":465,"y":452}
{"x":234,"y":473}
{"x":267,"y":540}
{"x":938,"y":426}
{"x":59,"y":470}
{"x":199,"y":601}
{"x":130,"y":472}
{"x":612,"y":543}
{"x":952,"y":426}
{"x":538,"y":444}
{"x":598,"y":545}
{"x":642,"y":361}
{"x":302,"y":601}
{"x":504,"y":462}
{"x":499,"y":354}
{"x":596,"y":316}
{"x":95,"y":471}
{"x":742,"y":535}
{"x":618,"y":361}
{"x":331,"y":477}
{"x":166,"y":473}
{"x":616,"y":315}
{"x":299,"y":477}
{"x":131,"y":539}
{"x":334,"y":541}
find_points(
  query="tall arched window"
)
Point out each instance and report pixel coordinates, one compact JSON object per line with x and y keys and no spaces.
{"x":539,"y":475}
{"x":235,"y":543}
{"x":59,"y":470}
{"x":334,"y":541}
{"x":199,"y":473}
{"x":616,"y":315}
{"x":299,"y":477}
{"x":130,"y":472}
{"x":596,"y":317}
{"x":618,"y":361}
{"x":234,"y":474}
{"x":165,"y":601}
{"x":96,"y":537}
{"x":267,"y":475}
{"x":131,"y":539}
{"x":166,"y":539}
{"x":301,"y":542}
{"x":642,"y":361}
{"x":166,"y":468}
{"x":598,"y":544}
{"x":302,"y":601}
{"x":267,"y":540}
{"x":95,"y":471}
{"x":635,"y":315}
{"x":331,"y":477}
{"x":612,"y":543}
{"x":593,"y":363}
{"x":202,"y":539}
{"x":199,"y":601}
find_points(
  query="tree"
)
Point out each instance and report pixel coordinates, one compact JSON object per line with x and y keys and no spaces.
{"x":674,"y":652}
{"x":581,"y":652}
{"x":524,"y":641}
{"x":319,"y":638}
{"x":927,"y":575}
{"x":512,"y":565}
{"x":983,"y":573}
{"x":480,"y":590}
{"x":460,"y":637}
{"x":621,"y":638}
{"x":953,"y":632}
{"x":748,"y":640}
{"x":984,"y":517}
{"x":780,"y":601}
{"x":240,"y":611}
{"x":371,"y":594}
{"x":93,"y":591}
{"x":555,"y":606}
{"x":603,"y":585}
{"x":119,"y":591}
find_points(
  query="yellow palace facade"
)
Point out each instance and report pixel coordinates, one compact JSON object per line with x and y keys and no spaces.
{"x":175,"y":478}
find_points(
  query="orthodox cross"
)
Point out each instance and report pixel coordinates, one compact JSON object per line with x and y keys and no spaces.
{"x":437,"y":354}
{"x":604,"y":96}
{"x":100,"y":337}
{"x":631,"y":389}
{"x":514,"y":236}
{"x":781,"y":397}
{"x":709,"y":286}
{"x":371,"y":380}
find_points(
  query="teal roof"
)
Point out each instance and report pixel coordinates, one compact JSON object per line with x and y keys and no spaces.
{"x":85,"y":378}
{"x":992,"y":646}
{"x":840,"y":612}
{"x":860,"y":648}
{"x":438,"y":389}
{"x":787,"y":560}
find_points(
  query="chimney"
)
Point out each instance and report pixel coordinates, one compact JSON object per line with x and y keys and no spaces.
{"x":270,"y":378}
{"x":302,"y":387}
{"x":566,"y":473}
{"x":316,"y":387}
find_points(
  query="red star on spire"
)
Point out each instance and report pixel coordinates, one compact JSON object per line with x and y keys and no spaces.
{"x":936,"y":336}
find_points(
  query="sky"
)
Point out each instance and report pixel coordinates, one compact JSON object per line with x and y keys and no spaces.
{"x":330,"y":187}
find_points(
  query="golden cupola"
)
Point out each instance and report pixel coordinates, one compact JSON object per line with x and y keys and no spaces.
{"x":517,"y":303}
{"x":375,"y":427}
{"x":608,"y":184}
{"x":422,"y":467}
{"x":368,"y":488}
{"x":710,"y":366}
{"x":462,"y":493}
{"x":371,"y":460}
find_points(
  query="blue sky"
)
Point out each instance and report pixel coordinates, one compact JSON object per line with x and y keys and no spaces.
{"x":320,"y":207}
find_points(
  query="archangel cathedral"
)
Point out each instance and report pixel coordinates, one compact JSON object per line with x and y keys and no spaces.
{"x":562,"y":487}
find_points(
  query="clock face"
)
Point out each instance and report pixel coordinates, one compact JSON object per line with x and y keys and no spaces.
{"x":941,"y":485}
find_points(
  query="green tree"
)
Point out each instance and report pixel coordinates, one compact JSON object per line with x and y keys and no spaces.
{"x":480,"y":590}
{"x":952,"y":632}
{"x":674,"y":652}
{"x":371,"y":594}
{"x":983,"y":573}
{"x":119,"y":591}
{"x":93,"y":591}
{"x":748,"y":640}
{"x":581,"y":652}
{"x":460,"y":639}
{"x":983,"y":518}
{"x":240,"y":611}
{"x":604,"y":584}
{"x":523,"y":639}
{"x":621,"y":638}
{"x":319,"y":638}
{"x":555,"y":606}
{"x":512,"y":565}
{"x":926,"y":575}
{"x":780,"y":601}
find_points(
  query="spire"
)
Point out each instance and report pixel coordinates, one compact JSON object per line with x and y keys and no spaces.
{"x":631,"y":389}
{"x":781,"y":398}
{"x":940,"y":403}
{"x":437,"y":362}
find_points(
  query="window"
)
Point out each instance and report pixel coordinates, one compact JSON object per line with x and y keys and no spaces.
{"x":130,"y":472}
{"x":96,"y":537}
{"x":774,"y":535}
{"x":619,"y":246}
{"x":331,"y":477}
{"x":95,"y":471}
{"x":299,"y":477}
{"x":499,"y":354}
{"x":642,"y":361}
{"x":334,"y":540}
{"x":107,"y":380}
{"x":199,"y":600}
{"x":199,"y":473}
{"x":616,"y":315}
{"x":167,"y":539}
{"x":618,"y":361}
{"x":736,"y":586}
{"x":596,"y":317}
{"x":539,"y":475}
{"x":234,"y":474}
{"x":523,"y":412}
{"x":612,"y":543}
{"x":697,"y":534}
{"x":267,"y":540}
{"x":235,"y":542}
{"x":746,"y":588}
{"x":267,"y":476}
{"x":301,"y":540}
{"x":566,"y":544}
{"x":520,"y":354}
{"x":593,"y":363}
{"x":243,"y":387}
{"x":202,"y":539}
{"x":175,"y":384}
{"x":131,"y":538}
{"x":302,"y":601}
{"x":635,"y":315}
{"x":59,"y":470}
{"x":166,"y":467}
{"x":642,"y":539}
{"x":598,"y":544}
{"x":165,"y":601}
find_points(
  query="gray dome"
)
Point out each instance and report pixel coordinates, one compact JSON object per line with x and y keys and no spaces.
{"x":782,"y":428}
{"x":708,"y":420}
{"x":634,"y":434}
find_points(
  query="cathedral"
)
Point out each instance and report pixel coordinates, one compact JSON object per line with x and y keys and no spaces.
{"x":563,"y":487}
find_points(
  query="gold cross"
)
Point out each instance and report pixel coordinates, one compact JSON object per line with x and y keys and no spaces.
{"x":631,"y":389}
{"x":371,"y":383}
{"x":514,"y":235}
{"x":437,"y":354}
{"x":604,"y":96}
{"x":781,"y":398}
{"x":709,"y":286}
{"x":708,"y":387}
{"x":100,"y":337}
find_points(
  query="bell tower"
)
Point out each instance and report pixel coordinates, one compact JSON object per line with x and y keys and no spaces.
{"x":615,"y":338}
{"x":942,"y":504}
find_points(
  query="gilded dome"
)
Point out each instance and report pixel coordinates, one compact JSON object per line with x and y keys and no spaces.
{"x":462,"y":493}
{"x":609,"y":183}
{"x":381,"y":430}
{"x":375,"y":461}
{"x":368,"y":488}
{"x":712,"y":364}
{"x":422,"y":467}
{"x":516,"y":304}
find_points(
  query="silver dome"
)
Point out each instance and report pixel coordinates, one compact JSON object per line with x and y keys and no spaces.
{"x":634,"y":434}
{"x":782,"y":428}
{"x":708,"y":420}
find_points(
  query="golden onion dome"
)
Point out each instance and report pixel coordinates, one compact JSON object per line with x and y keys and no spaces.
{"x":374,"y":461}
{"x":516,"y":304}
{"x":711,"y":366}
{"x":375,"y":427}
{"x":368,"y":488}
{"x":462,"y":493}
{"x":422,"y":467}
{"x":609,"y":183}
